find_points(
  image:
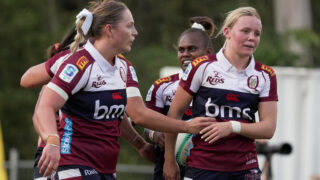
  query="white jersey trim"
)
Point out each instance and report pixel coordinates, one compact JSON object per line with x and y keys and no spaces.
{"x":70,"y":173}
{"x":132,"y":92}
{"x":58,"y":90}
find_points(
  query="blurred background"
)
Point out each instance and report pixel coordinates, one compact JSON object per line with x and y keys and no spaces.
{"x":290,"y":42}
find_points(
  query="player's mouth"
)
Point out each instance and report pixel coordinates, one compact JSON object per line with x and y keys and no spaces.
{"x":186,"y":62}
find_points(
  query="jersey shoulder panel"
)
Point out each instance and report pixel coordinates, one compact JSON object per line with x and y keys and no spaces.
{"x":262,"y":67}
{"x":53,"y":60}
{"x":167,"y":79}
{"x":203,"y":59}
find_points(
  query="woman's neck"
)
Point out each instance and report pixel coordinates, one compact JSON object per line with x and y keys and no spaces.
{"x":107,"y":51}
{"x":239,"y":62}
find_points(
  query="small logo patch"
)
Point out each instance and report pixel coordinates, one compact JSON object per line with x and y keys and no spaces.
{"x":268,"y":69}
{"x":133,"y":73}
{"x":68,"y":73}
{"x":199,"y":60}
{"x":149,"y":95}
{"x":123,"y":75}
{"x":161,"y":80}
{"x":82,"y":62}
{"x":186,"y":72}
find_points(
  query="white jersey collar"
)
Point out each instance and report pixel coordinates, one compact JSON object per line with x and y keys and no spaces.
{"x":102,"y":62}
{"x":226,"y":65}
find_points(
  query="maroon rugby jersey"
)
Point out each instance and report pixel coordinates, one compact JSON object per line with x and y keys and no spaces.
{"x":161,"y":94}
{"x":52,"y":65}
{"x":220,"y":91}
{"x":96,"y":95}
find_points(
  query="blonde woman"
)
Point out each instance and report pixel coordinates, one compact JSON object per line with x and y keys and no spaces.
{"x":93,"y":87}
{"x":230,"y":86}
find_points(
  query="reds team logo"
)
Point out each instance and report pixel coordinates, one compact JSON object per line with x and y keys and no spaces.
{"x":100,"y":82}
{"x":216,"y":79}
{"x":253,"y":82}
{"x":123,"y":75}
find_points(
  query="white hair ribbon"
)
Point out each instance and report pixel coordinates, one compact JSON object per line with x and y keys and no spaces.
{"x":87,"y":22}
{"x":198,"y":26}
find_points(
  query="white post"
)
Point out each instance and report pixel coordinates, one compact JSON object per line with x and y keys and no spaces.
{"x":13,"y":164}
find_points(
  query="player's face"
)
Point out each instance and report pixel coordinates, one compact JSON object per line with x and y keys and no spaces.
{"x":189,"y":48}
{"x":244,"y":37}
{"x":124,"y":32}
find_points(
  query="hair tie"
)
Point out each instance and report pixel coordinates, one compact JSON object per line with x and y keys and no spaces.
{"x":198,"y":26}
{"x":56,"y":46}
{"x":87,"y":22}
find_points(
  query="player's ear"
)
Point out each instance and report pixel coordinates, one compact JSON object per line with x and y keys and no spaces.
{"x":108,"y":30}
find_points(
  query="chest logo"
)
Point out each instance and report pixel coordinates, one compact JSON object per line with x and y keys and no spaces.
{"x":215,"y":79}
{"x":123,"y":75}
{"x":100,"y":82}
{"x":253,"y":82}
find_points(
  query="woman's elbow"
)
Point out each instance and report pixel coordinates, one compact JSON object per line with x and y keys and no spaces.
{"x":137,"y":115}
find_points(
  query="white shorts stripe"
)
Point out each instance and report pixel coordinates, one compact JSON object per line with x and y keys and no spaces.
{"x":41,"y":178}
{"x":132,"y":92}
{"x":186,"y":178}
{"x":58,"y":90}
{"x":70,"y":173}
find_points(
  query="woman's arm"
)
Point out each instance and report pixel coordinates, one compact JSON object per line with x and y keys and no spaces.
{"x":266,"y":126}
{"x":143,"y":116}
{"x":264,"y":129}
{"x":128,"y":133}
{"x":35,"y":76}
{"x":49,"y":103}
{"x":179,"y":105}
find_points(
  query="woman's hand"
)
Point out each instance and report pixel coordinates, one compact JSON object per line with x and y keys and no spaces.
{"x":216,"y":131}
{"x":171,"y":170}
{"x":197,"y":124}
{"x":158,"y":138}
{"x":148,"y":152}
{"x":49,"y":160}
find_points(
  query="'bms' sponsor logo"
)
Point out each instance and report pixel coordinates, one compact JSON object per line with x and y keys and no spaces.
{"x":103,"y":112}
{"x":228,"y":112}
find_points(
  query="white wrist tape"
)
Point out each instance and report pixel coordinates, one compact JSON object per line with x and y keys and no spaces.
{"x":151,"y":134}
{"x":236,"y":126}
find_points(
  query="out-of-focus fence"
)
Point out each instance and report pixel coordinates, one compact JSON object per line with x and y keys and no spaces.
{"x":23,"y":169}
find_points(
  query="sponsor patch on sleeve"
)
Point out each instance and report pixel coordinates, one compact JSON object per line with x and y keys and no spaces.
{"x":199,"y":60}
{"x":82,"y":62}
{"x":133,"y":73}
{"x":268,"y":69}
{"x":186,"y":72}
{"x":68,"y":73}
{"x":161,"y":80}
{"x":148,"y":98}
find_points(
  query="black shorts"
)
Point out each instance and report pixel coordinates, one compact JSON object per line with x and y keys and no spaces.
{"x":201,"y":174}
